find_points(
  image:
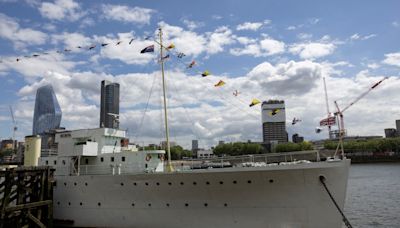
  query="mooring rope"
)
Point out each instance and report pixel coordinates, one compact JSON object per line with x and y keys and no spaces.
{"x":345,"y":220}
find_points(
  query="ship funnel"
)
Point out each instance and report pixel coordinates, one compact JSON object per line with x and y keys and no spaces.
{"x":33,"y":145}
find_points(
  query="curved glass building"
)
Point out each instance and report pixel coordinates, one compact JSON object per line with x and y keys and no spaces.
{"x":47,"y":113}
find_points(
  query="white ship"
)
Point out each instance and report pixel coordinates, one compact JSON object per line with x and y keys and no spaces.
{"x":100,"y":183}
{"x":103,"y":182}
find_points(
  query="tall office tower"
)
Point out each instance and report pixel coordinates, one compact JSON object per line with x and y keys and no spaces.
{"x":109,"y":105}
{"x":195,"y":145}
{"x":274,"y":121}
{"x":398,"y":127}
{"x":47,"y":114}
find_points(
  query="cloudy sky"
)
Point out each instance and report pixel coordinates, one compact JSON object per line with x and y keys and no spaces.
{"x":263,"y":49}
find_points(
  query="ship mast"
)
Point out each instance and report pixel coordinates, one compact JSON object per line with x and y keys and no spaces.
{"x":169,"y":165}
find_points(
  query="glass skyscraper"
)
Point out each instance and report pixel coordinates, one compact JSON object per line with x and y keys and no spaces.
{"x":47,"y":113}
{"x":109,"y":105}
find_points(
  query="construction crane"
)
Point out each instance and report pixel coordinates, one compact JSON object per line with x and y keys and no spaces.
{"x":15,"y":128}
{"x":339,"y":114}
{"x":329,"y":114}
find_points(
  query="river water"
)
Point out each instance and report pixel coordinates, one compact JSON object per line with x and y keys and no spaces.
{"x":373,"y":195}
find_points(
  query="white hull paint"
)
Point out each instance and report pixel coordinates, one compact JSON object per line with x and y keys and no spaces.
{"x":277,"y":196}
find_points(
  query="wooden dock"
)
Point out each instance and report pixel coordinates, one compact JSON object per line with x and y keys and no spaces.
{"x":26,"y":197}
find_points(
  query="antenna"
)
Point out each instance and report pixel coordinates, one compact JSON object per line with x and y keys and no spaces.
{"x":15,"y":128}
{"x":327,"y":107}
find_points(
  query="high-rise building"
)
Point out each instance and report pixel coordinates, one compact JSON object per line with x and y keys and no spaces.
{"x":47,"y":114}
{"x":109,"y":104}
{"x":274,"y":121}
{"x":390,"y":132}
{"x":195,"y":145}
{"x":398,"y":127}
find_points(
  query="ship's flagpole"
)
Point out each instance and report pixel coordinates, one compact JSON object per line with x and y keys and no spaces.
{"x":169,"y":164}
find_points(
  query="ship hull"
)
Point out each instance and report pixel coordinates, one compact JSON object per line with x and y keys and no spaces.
{"x":278,"y":196}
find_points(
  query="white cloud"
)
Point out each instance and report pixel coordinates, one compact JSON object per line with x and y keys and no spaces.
{"x":304,"y":36}
{"x":21,"y":37}
{"x":392,"y":59}
{"x":312,"y":50}
{"x":61,"y":9}
{"x":356,"y":36}
{"x":396,"y":24}
{"x":127,"y":14}
{"x":373,"y":66}
{"x":265,"y":47}
{"x":192,"y":24}
{"x":254,"y":26}
{"x":218,"y":39}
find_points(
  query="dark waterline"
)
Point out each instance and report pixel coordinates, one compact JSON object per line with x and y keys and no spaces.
{"x":373,"y":195}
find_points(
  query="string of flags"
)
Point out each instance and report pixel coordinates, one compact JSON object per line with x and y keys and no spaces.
{"x":150,"y":49}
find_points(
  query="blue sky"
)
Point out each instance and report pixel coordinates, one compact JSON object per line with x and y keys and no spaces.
{"x":265,"y":49}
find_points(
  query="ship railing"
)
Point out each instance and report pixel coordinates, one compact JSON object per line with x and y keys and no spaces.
{"x":251,"y":160}
{"x":113,"y":169}
{"x":48,"y":152}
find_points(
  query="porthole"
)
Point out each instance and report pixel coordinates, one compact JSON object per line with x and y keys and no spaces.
{"x":225,"y":204}
{"x":249,"y":181}
{"x":207,"y":183}
{"x":99,"y":204}
{"x":81,"y":203}
{"x":146,"y":183}
{"x":221,"y":182}
{"x":133,"y":204}
{"x":69,"y":203}
{"x":206,"y":204}
{"x":134,"y":183}
{"x":186,"y":204}
{"x":149,"y":204}
{"x":85,"y":183}
{"x":75,"y":183}
{"x":194,"y":183}
{"x":58,"y":203}
{"x":169,"y":183}
{"x":182,"y":183}
{"x":234,"y":182}
{"x":157,"y":183}
{"x":271,"y":181}
{"x":65,"y":183}
{"x":122,"y":184}
{"x":167,"y":204}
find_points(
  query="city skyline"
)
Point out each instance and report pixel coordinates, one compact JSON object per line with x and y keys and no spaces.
{"x":271,"y":51}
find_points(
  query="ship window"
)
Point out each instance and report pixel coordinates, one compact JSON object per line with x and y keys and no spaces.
{"x":63,"y":161}
{"x":134,"y":183}
{"x":221,"y":182}
{"x":112,"y":159}
{"x":55,"y":162}
{"x":235,"y":182}
{"x":181,"y":183}
{"x":58,"y":203}
{"x":123,"y":159}
{"x":271,"y":181}
{"x":85,"y":183}
{"x":99,"y":204}
{"x":146,"y":183}
{"x":208,"y":183}
{"x":47,"y":162}
{"x":206,"y":204}
{"x":86,"y":161}
{"x":186,"y":204}
{"x":69,"y":203}
{"x":157,"y":183}
{"x":249,"y":181}
{"x":169,"y":183}
{"x":122,"y":184}
{"x":149,"y":204}
{"x":133,"y":204}
{"x":194,"y":183}
{"x":146,"y":166}
{"x":225,"y":204}
{"x":75,"y":183}
{"x":167,"y":204}
{"x":101,"y":159}
{"x":80,"y":203}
